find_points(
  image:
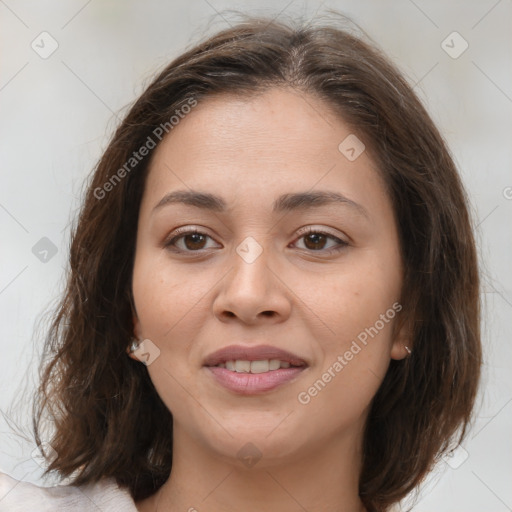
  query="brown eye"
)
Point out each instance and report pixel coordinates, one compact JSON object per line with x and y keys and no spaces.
{"x":316,"y":240}
{"x":194,"y":241}
{"x":188,"y":241}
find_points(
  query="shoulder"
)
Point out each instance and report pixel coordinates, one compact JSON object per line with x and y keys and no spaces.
{"x":19,"y":496}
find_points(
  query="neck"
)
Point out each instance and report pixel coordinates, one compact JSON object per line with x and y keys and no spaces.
{"x":319,"y":479}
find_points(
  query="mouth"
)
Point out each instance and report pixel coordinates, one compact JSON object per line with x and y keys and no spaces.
{"x":253,"y":370}
{"x":257,"y":366}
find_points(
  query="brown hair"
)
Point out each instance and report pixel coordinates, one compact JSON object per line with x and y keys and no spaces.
{"x":108,"y":419}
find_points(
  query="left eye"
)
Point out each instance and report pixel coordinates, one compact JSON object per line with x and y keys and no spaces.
{"x":314,"y":240}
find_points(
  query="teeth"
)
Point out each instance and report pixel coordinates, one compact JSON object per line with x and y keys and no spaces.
{"x":259,"y":366}
{"x":274,"y":364}
{"x":242,"y":366}
{"x":262,"y":366}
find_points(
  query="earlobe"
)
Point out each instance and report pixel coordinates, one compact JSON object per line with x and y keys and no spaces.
{"x":132,"y":347}
{"x":402,"y":344}
{"x":400,"y":351}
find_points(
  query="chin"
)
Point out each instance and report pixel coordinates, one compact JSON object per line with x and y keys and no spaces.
{"x":267,"y":443}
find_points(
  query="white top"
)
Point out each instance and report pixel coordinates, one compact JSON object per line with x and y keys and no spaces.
{"x":106,"y":495}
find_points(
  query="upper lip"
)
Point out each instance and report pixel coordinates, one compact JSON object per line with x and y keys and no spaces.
{"x":256,"y":353}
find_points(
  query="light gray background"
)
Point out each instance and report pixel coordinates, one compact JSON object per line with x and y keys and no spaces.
{"x":57,"y":114}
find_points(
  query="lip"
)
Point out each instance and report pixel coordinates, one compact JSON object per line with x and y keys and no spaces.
{"x":253,"y":383}
{"x":256,"y":353}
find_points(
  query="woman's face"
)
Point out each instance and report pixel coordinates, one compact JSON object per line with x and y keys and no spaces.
{"x":277,"y":165}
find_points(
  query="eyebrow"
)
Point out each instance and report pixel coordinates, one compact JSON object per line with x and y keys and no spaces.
{"x":284,"y":203}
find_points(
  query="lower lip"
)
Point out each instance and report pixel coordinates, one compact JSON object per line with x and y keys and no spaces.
{"x":253,"y":383}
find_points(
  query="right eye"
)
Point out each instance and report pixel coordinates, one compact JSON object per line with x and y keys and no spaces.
{"x":187,"y":240}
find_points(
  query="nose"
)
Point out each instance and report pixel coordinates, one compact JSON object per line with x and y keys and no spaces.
{"x":253,"y":292}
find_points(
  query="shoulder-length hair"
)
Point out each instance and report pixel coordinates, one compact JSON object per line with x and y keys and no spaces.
{"x":108,"y":418}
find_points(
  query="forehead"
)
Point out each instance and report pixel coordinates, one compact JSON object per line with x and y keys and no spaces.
{"x":280,"y":139}
{"x":279,"y":118}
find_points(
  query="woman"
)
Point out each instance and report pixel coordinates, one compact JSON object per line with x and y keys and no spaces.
{"x":273,"y":298}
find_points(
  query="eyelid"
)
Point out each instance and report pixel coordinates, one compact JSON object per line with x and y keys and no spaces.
{"x":320,"y":229}
{"x":183,"y":231}
{"x":191,"y":229}
{"x":341,"y":243}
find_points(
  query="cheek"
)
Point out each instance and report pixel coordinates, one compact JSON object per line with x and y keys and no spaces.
{"x":169,"y":307}
{"x":356,"y":354}
{"x":359,"y":306}
{"x":352,"y":297}
{"x":165,"y":298}
{"x":172,"y":308}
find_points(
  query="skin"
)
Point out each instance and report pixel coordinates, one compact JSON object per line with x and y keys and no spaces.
{"x":295,"y":296}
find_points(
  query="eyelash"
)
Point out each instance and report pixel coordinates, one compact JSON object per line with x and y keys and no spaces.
{"x":180,"y":233}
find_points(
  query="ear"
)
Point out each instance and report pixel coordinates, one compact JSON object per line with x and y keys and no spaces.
{"x":136,"y":335}
{"x":137,"y":329}
{"x":402,"y":340}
